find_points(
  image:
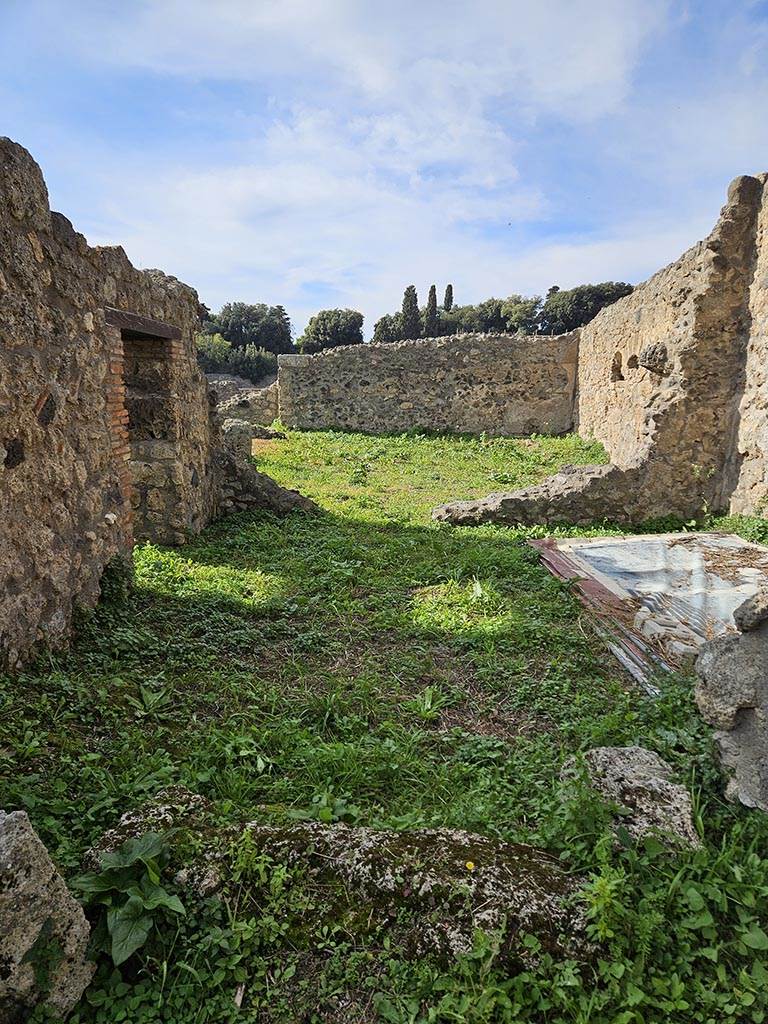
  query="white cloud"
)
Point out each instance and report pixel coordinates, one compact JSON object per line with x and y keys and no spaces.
{"x":279,"y":229}
{"x":370,"y":145}
{"x":572,"y":54}
{"x":385,"y":151}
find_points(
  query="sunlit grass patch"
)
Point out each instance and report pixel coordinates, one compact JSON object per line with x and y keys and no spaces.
{"x":169,"y":572}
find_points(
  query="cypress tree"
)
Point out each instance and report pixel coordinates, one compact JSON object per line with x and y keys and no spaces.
{"x":448,"y":300}
{"x":430,"y":317}
{"x":411,"y":322}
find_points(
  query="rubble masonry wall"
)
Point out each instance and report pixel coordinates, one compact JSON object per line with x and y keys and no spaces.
{"x":66,"y":463}
{"x":469,"y":383}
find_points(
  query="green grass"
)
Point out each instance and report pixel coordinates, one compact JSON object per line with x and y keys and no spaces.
{"x":374,"y":667}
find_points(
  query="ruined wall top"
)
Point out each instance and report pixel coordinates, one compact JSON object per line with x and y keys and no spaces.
{"x":659,"y":368}
{"x":671,"y":380}
{"x":107,"y":276}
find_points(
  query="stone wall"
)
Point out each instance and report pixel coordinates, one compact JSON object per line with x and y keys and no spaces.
{"x":751,"y":491}
{"x":672,"y":381}
{"x":106,"y":429}
{"x":254,"y":405}
{"x":470,"y":383}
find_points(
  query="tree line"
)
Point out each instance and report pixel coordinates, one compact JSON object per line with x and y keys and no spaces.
{"x":245,"y":338}
{"x":558,"y":312}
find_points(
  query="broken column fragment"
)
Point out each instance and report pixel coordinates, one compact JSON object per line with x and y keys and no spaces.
{"x":732,"y":695}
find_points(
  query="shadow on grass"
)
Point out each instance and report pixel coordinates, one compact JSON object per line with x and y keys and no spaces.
{"x":416,"y":673}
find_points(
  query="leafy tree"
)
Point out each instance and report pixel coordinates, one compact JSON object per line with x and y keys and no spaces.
{"x":486,"y":317}
{"x":212,"y":352}
{"x":566,"y":310}
{"x":388,"y":329}
{"x":561,"y":311}
{"x":251,"y":362}
{"x":411,"y":323}
{"x":521,"y":314}
{"x":330,"y":328}
{"x":241,"y":323}
{"x":430,"y":315}
{"x":489,"y":315}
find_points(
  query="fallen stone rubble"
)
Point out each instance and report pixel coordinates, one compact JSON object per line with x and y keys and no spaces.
{"x":455,"y":882}
{"x":245,"y":489}
{"x":640,"y":783}
{"x":448,"y":881}
{"x":732,"y":695}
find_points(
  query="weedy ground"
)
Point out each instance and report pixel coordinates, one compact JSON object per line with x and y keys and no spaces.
{"x":371,"y":667}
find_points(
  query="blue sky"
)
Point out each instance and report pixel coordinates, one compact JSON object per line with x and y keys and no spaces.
{"x":329,"y":153}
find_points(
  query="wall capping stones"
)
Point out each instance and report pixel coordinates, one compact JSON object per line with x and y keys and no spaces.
{"x":290,"y":359}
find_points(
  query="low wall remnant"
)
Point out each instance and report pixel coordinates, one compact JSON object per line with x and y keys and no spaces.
{"x":498,"y":384}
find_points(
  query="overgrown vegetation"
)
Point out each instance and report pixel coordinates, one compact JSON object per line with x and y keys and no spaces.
{"x":373,"y":668}
{"x":216,"y":355}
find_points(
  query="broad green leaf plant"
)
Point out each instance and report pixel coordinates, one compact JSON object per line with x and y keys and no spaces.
{"x":128,"y":887}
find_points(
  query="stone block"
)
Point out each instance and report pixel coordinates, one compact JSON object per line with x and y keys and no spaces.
{"x":732,"y":695}
{"x":640,"y":783}
{"x":237,"y":436}
{"x":43,"y":931}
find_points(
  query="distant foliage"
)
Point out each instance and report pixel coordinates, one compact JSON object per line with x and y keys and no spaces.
{"x":484,"y":317}
{"x":330,"y":328}
{"x":566,"y":310}
{"x":389,"y":328}
{"x":216,"y":355}
{"x":262,"y":326}
{"x":213,"y":352}
{"x":559,"y":312}
{"x":411,"y":320}
{"x":430,"y":314}
{"x":253,"y":363}
{"x":520,"y":314}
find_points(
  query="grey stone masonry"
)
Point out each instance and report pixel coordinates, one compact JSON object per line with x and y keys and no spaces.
{"x":107,"y":431}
